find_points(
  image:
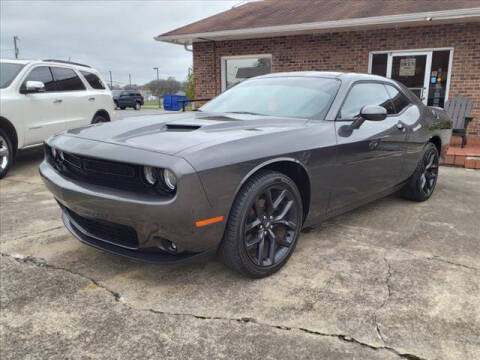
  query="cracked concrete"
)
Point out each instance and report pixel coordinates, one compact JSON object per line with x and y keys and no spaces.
{"x":391,"y":280}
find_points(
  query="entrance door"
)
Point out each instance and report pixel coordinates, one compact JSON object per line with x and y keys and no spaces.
{"x":413,"y":70}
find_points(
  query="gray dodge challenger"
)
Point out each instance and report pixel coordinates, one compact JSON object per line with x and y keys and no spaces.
{"x":245,"y":173}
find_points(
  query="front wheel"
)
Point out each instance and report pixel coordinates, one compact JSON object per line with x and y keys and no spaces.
{"x":6,"y":153}
{"x":424,"y":179}
{"x":264,"y":225}
{"x":99,"y":119}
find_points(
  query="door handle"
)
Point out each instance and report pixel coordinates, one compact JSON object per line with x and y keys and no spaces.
{"x":56,"y":101}
{"x":91,"y":99}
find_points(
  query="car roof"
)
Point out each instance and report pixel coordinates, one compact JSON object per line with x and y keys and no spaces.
{"x":50,"y":62}
{"x":350,"y":76}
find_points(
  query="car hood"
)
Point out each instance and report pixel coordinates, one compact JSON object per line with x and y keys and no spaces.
{"x":173,"y":133}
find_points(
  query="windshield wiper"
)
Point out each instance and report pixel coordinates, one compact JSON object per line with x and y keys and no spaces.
{"x":246,"y":113}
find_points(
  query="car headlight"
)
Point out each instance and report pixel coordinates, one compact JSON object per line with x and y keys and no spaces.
{"x":169,"y":179}
{"x":54,"y":152}
{"x":150,"y":174}
{"x":163,"y":177}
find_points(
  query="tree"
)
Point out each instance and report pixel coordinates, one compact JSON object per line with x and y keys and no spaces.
{"x":162,"y":86}
{"x":189,"y":85}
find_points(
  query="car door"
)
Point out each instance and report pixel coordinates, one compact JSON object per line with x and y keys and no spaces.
{"x":42,"y":112}
{"x":74,"y":96}
{"x":124,"y":99}
{"x":369,"y":158}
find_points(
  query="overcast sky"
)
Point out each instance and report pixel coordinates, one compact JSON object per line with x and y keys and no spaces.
{"x":108,"y":35}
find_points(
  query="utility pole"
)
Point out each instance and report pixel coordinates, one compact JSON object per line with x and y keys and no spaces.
{"x":158,"y":77}
{"x":130,"y":80}
{"x":17,"y":51}
{"x":111,"y":81}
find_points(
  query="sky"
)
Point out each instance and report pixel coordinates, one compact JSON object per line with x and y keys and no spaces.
{"x":111,"y":35}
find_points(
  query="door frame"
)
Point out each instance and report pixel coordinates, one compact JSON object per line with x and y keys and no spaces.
{"x":428,"y":67}
{"x":406,"y":52}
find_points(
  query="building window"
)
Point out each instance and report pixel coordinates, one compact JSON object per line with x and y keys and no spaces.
{"x":235,"y":69}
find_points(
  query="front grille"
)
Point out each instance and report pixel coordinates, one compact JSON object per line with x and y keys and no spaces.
{"x":102,"y":172}
{"x":113,"y":233}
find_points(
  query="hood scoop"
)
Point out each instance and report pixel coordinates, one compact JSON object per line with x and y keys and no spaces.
{"x":181,"y":127}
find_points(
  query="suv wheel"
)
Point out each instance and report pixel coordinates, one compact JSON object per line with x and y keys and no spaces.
{"x":99,"y":119}
{"x":6,"y":153}
{"x":263,"y":226}
{"x":137,"y":106}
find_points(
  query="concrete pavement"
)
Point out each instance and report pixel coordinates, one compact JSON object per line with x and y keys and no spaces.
{"x":394,"y":279}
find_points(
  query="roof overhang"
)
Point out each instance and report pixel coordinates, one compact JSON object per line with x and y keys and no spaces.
{"x":390,"y":21}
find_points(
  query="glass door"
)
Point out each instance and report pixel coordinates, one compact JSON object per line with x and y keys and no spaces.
{"x":413,"y":70}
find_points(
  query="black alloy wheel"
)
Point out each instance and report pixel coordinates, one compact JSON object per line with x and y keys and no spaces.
{"x":428,"y":179}
{"x":263,"y":226}
{"x":271,"y":225}
{"x":422,"y":183}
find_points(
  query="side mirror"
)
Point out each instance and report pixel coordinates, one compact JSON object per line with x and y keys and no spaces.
{"x":33,"y":87}
{"x":371,"y":113}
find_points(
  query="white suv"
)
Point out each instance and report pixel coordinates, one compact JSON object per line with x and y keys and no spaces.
{"x":41,"y":98}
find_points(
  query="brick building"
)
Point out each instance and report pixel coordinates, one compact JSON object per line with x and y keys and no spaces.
{"x":432,"y":46}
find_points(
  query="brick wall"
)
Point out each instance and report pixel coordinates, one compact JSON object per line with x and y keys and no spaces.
{"x":349,"y":51}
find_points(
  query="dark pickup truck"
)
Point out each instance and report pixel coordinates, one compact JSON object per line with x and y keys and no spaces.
{"x":127,"y":98}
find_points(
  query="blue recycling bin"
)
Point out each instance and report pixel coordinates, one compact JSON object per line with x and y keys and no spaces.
{"x":173,"y":102}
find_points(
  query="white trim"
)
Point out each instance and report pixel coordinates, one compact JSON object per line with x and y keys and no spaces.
{"x":224,"y":58}
{"x":422,"y":18}
{"x":426,"y":51}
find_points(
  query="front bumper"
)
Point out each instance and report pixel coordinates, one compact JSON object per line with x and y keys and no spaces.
{"x":150,"y":218}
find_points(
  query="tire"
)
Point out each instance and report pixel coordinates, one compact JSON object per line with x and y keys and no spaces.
{"x":422,"y":183}
{"x":6,"y":153}
{"x":97,"y":119}
{"x":246,"y":250}
{"x":137,"y":106}
{"x":122,"y":107}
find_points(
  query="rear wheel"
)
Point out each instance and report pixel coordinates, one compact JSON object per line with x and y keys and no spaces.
{"x":6,"y":153}
{"x":423,"y":181}
{"x":264,"y":225}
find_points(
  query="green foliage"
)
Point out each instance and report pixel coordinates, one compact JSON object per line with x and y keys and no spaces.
{"x":189,"y":88}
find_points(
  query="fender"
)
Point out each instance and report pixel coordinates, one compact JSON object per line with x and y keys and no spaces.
{"x":266,"y":163}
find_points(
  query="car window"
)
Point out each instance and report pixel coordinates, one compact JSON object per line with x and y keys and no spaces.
{"x":298,"y":97}
{"x":365,"y":94}
{"x":399,"y":100}
{"x":43,"y":74}
{"x":8,"y":72}
{"x":67,"y":79}
{"x":93,"y":80}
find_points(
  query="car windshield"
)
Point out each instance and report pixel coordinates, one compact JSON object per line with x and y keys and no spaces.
{"x":300,"y":97}
{"x":8,"y":72}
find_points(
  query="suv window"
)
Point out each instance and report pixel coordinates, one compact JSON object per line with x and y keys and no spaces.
{"x":93,"y":80}
{"x":8,"y":72}
{"x":399,"y":100}
{"x":67,"y":79}
{"x":365,"y":94}
{"x":43,"y":74}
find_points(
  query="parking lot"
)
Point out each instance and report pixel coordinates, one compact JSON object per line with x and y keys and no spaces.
{"x":391,"y":280}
